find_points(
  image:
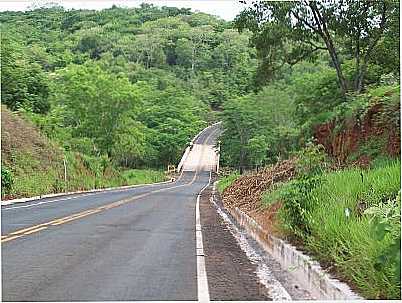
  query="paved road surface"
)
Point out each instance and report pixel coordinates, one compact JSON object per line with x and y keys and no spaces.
{"x":135,"y":244}
{"x":129,"y":244}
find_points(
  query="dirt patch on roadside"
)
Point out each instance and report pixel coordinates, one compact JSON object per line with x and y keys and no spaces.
{"x":231,"y":275}
{"x":20,"y":136}
{"x":245,"y":193}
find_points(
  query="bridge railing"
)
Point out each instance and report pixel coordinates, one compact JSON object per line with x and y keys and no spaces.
{"x":189,"y":147}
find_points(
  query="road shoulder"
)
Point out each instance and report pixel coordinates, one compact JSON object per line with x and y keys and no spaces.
{"x":231,"y":275}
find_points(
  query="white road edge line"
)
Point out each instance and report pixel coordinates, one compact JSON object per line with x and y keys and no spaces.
{"x":78,"y":195}
{"x":202,"y":281}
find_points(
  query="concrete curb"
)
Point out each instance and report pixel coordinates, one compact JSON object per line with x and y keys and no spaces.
{"x":308,"y":272}
{"x":21,"y":200}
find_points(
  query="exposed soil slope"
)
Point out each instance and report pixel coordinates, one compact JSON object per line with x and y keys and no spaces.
{"x":20,"y":136}
{"x":377,"y":131}
{"x":245,"y":193}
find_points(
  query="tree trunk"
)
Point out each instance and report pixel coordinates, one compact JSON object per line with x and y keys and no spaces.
{"x":337,"y":64}
{"x":322,"y":30}
{"x":360,"y":79}
{"x":193,"y":60}
{"x":242,"y":155}
{"x":241,"y":160}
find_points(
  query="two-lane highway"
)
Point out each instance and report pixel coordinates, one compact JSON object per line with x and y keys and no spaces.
{"x":127,"y":244}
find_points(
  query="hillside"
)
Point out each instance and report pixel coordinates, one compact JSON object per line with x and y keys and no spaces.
{"x":123,"y":88}
{"x":32,"y":159}
{"x":35,"y":164}
{"x":314,"y":154}
{"x":21,"y":136}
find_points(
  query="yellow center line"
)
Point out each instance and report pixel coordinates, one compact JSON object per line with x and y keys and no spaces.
{"x":10,"y":238}
{"x":75,"y":218}
{"x":69,"y":218}
{"x":35,"y":230}
{"x":22,"y":231}
{"x":42,"y":226}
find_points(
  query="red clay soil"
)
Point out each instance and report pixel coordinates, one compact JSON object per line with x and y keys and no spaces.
{"x":340,"y":145}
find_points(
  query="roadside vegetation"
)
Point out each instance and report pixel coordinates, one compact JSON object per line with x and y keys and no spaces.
{"x":225,"y":182}
{"x":327,"y":113}
{"x":33,"y":165}
{"x":117,"y":92}
{"x":347,"y":219}
{"x":311,"y":114}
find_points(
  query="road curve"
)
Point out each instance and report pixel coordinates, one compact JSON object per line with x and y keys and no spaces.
{"x":129,"y":244}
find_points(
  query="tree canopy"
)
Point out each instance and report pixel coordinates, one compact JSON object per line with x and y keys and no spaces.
{"x":134,"y":84}
{"x":291,"y":31}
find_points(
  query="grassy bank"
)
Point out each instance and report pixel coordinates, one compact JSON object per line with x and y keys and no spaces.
{"x":349,"y":220}
{"x":225,"y":182}
{"x":30,"y":178}
{"x":33,"y":165}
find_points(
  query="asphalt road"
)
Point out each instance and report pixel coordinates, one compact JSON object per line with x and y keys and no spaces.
{"x":159,"y":242}
{"x":131,"y":244}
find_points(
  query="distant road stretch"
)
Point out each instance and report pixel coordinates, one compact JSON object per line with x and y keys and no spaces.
{"x":128,"y":244}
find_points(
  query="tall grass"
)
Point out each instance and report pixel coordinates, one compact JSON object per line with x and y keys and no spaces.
{"x":348,"y":242}
{"x":31,"y":177}
{"x":341,"y":234}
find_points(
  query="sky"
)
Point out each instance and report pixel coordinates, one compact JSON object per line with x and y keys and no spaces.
{"x":226,"y":9}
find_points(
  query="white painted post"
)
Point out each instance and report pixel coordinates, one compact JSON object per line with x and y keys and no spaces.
{"x":65,"y":173}
{"x":219,"y":156}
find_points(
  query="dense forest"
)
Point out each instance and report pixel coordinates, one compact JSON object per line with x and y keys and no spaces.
{"x":123,"y":87}
{"x":117,"y":94}
{"x":147,"y":74}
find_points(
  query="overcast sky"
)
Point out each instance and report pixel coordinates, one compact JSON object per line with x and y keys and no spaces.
{"x":226,"y":9}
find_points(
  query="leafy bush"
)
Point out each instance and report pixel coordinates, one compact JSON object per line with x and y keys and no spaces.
{"x":386,"y":220}
{"x":6,"y":180}
{"x":311,"y":160}
{"x":296,"y":195}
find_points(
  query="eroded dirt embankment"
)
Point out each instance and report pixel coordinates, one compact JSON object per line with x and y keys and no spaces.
{"x":378,"y":129}
{"x":245,"y":193}
{"x":352,"y":141}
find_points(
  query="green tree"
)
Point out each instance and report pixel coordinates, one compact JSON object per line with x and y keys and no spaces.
{"x":258,"y":128}
{"x":23,"y":83}
{"x":257,"y":148}
{"x":130,"y":142}
{"x":288,"y":32}
{"x":94,"y":101}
